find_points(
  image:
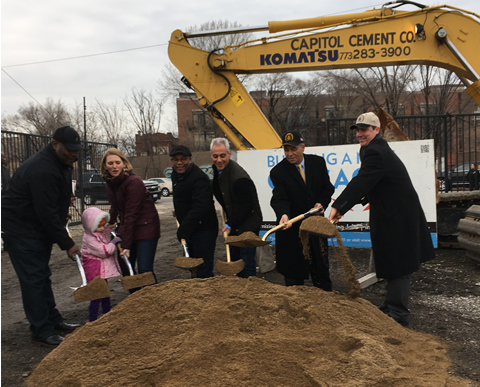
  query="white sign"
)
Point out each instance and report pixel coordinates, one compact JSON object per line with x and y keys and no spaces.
{"x":343,"y":163}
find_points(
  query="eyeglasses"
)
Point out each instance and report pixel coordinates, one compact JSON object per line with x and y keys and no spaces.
{"x":180,"y":160}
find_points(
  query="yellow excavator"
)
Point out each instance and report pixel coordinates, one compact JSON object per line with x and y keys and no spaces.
{"x":442,"y":36}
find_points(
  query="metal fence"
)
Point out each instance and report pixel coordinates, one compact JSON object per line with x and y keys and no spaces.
{"x":18,"y":147}
{"x":456,"y":140}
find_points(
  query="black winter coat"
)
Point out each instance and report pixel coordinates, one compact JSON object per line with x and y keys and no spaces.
{"x":237,"y":194}
{"x":193,"y":202}
{"x":400,"y":237}
{"x":292,"y":196}
{"x":37,"y":199}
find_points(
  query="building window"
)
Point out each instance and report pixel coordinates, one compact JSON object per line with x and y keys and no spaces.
{"x":334,"y":112}
{"x":202,"y":120}
{"x":298,"y":116}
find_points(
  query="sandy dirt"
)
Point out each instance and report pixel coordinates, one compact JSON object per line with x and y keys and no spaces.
{"x":444,"y":301}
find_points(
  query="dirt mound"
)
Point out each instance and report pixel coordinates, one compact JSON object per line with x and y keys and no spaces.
{"x":228,"y":331}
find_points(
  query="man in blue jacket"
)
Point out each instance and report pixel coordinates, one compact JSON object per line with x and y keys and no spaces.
{"x":400,"y":236}
{"x":34,"y":215}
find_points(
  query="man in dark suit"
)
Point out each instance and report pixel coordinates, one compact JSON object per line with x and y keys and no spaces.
{"x":301,"y":183}
{"x":398,"y":228}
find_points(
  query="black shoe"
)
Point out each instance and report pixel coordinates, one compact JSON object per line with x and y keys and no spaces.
{"x":50,"y":342}
{"x":65,"y":327}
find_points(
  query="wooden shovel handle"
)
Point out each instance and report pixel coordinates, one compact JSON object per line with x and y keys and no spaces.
{"x":225,"y":236}
{"x":293,"y":220}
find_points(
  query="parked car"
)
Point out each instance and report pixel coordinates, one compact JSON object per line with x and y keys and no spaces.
{"x":165,"y":185}
{"x":94,"y":188}
{"x":456,"y":177}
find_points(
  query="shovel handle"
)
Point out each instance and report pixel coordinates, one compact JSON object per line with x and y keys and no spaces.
{"x":225,"y":235}
{"x":185,"y":247}
{"x":80,"y":268}
{"x":125,"y":258}
{"x":293,"y":220}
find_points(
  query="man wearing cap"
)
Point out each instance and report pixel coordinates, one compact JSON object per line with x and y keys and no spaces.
{"x":194,"y":209}
{"x":235,"y":191}
{"x":34,"y":215}
{"x":398,"y":228}
{"x":301,"y":183}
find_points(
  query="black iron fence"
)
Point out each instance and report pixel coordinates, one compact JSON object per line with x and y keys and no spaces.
{"x":456,"y":138}
{"x":87,"y":183}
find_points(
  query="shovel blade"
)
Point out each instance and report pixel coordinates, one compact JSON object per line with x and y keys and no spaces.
{"x":230,"y":268}
{"x":95,"y":289}
{"x":187,"y":262}
{"x":320,"y":226}
{"x":138,"y":280}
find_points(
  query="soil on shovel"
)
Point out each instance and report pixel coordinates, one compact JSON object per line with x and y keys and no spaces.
{"x":95,"y":289}
{"x":188,"y":263}
{"x":229,"y":331}
{"x":138,"y":280}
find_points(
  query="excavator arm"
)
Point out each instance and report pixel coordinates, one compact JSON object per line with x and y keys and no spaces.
{"x":441,"y":36}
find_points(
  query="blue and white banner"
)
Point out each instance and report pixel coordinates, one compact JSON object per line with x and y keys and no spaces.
{"x":343,"y":163}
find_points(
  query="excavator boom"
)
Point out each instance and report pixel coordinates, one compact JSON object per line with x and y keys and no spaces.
{"x":442,"y":36}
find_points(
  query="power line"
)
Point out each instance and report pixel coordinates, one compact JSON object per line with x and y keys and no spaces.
{"x":85,"y":56}
{"x":25,"y":90}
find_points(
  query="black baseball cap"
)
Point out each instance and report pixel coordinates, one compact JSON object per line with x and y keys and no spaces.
{"x":292,"y":138}
{"x":180,"y":150}
{"x":68,"y":137}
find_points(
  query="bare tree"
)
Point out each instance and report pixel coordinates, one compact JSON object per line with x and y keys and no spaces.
{"x":82,"y":119}
{"x":146,"y":112}
{"x":37,"y":119}
{"x":111,"y":121}
{"x":386,"y":87}
{"x":438,"y":91}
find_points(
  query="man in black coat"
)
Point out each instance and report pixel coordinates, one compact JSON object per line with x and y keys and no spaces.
{"x":400,"y":237}
{"x":235,"y":191}
{"x":34,"y":213}
{"x":293,"y":195}
{"x":194,"y":209}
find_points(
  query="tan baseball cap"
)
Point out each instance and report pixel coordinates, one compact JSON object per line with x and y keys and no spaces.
{"x":365,"y":120}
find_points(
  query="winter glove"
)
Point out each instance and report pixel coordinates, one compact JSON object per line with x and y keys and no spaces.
{"x":116,"y":240}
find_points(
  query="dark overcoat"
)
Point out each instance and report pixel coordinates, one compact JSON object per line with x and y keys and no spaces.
{"x":400,"y":237}
{"x":292,"y":196}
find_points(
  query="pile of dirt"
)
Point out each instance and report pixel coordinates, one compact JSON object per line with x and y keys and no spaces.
{"x":228,"y":331}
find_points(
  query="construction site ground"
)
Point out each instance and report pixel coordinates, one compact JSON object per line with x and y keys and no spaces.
{"x":445,"y":300}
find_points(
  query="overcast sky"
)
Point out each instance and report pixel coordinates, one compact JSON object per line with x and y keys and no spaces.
{"x":52,"y":30}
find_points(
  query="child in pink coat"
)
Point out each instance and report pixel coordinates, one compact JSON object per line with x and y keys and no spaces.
{"x":98,"y":254}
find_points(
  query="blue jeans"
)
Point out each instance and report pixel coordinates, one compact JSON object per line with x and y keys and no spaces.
{"x":201,"y":244}
{"x":143,"y":254}
{"x":30,"y":258}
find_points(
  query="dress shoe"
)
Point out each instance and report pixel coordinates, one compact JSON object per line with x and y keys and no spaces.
{"x":65,"y":327}
{"x":50,"y":342}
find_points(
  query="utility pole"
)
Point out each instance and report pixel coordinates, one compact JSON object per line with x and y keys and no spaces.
{"x":84,"y":122}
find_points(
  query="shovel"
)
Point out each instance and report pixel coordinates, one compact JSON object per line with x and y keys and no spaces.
{"x":95,"y":289}
{"x":229,"y":268}
{"x":186,"y":262}
{"x":134,"y":280}
{"x":249,"y":239}
{"x":320,"y":226}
